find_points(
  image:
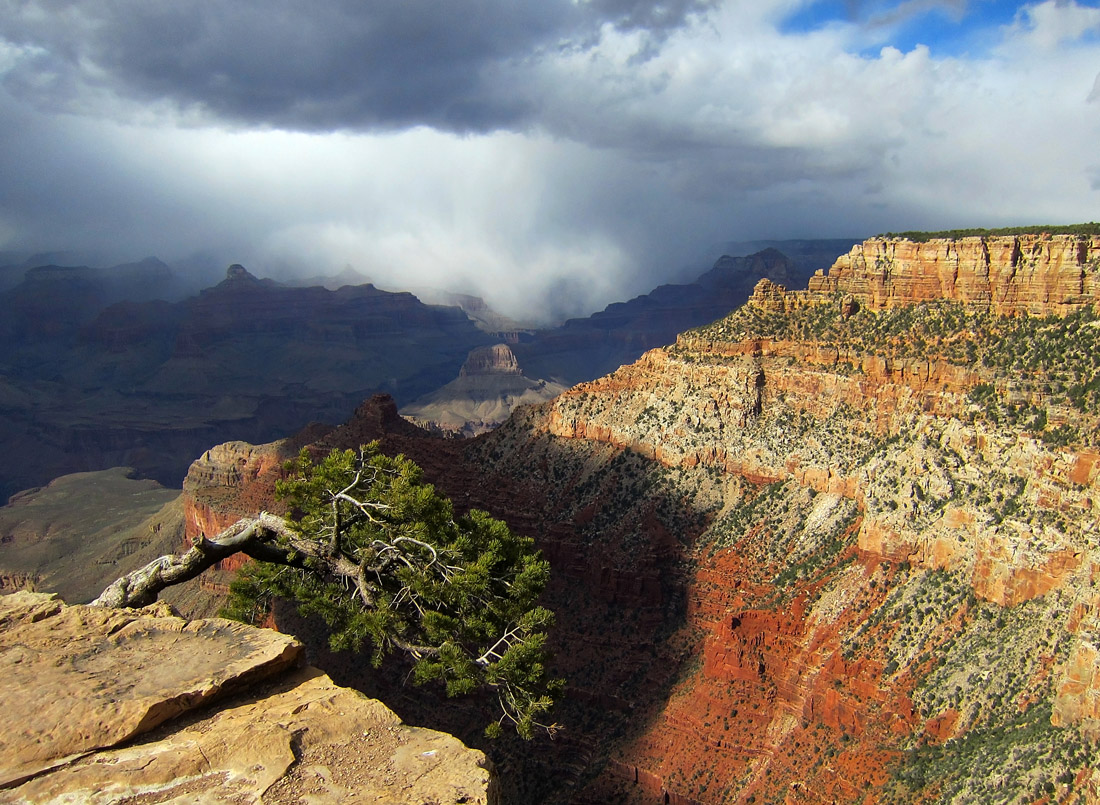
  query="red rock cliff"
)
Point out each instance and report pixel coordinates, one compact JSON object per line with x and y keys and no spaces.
{"x":797,"y":569}
{"x":1034,"y":274}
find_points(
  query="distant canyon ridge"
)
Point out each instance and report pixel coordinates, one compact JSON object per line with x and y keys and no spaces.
{"x":97,"y":370}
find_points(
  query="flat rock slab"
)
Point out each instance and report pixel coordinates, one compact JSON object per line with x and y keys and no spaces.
{"x":304,"y":740}
{"x":101,"y":706}
{"x":79,"y":678}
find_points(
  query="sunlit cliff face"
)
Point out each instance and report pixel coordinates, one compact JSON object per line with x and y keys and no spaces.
{"x":823,"y":547}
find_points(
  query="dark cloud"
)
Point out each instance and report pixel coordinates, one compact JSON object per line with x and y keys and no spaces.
{"x":331,"y":64}
{"x":67,"y":183}
{"x":655,"y":17}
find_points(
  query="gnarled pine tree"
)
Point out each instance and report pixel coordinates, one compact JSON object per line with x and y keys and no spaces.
{"x":383,"y":559}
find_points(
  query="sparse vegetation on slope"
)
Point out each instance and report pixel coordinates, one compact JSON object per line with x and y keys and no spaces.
{"x":902,"y":565}
{"x":1040,"y":374}
{"x":1023,"y":759}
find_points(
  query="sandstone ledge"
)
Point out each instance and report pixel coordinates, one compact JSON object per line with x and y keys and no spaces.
{"x":1005,"y":274}
{"x":101,"y":705}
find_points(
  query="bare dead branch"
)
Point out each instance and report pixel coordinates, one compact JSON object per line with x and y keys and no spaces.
{"x":142,"y":587}
{"x":509,"y":639}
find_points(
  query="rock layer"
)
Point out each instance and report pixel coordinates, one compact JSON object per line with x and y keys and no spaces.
{"x":1034,"y":274}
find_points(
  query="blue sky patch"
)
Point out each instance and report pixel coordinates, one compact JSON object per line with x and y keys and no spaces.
{"x":948,"y":28}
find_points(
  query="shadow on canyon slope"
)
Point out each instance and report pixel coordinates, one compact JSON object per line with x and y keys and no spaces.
{"x":616,"y":529}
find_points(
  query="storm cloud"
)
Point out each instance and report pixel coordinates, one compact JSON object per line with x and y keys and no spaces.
{"x":576,"y":150}
{"x":321,"y":66}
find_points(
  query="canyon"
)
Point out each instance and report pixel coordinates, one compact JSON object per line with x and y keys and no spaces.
{"x":838,"y":545}
{"x":151,"y":384}
{"x":795,"y":557}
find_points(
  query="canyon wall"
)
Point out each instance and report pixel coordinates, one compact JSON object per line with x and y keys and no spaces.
{"x":833,"y":547}
{"x":1034,"y":274}
{"x":782,"y":412}
{"x":954,"y":518}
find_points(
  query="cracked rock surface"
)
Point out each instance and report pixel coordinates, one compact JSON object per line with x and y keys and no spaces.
{"x":140,"y":706}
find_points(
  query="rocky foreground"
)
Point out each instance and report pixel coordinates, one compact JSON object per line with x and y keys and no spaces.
{"x":102,"y":705}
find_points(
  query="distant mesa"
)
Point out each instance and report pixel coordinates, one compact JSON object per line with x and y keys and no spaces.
{"x":237,"y":277}
{"x":495,"y":360}
{"x":237,"y":272}
{"x":489,"y":386}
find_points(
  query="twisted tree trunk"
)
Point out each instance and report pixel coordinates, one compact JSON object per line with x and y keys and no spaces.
{"x":254,"y":536}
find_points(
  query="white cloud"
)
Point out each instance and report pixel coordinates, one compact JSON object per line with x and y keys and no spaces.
{"x":417,"y":207}
{"x":1052,"y":24}
{"x":986,"y":139}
